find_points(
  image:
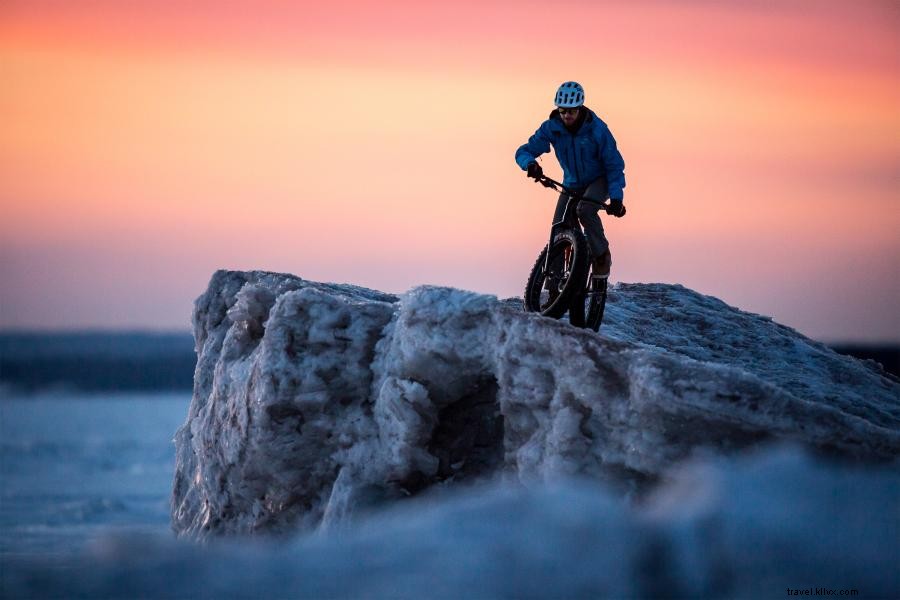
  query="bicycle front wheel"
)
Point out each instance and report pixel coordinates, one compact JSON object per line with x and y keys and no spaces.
{"x":559,"y":277}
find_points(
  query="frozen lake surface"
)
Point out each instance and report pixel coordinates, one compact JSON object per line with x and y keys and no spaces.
{"x":77,"y":467}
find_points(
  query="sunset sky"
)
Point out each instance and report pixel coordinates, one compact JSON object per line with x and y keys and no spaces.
{"x":145,"y":144}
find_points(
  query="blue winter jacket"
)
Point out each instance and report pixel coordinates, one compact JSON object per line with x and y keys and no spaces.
{"x":585,"y":156}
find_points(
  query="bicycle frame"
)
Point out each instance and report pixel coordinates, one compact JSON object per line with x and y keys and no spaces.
{"x":567,"y":220}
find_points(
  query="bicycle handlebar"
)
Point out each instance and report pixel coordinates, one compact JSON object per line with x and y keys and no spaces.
{"x":553,"y":184}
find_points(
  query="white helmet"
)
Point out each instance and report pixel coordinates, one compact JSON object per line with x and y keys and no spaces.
{"x":570,"y":95}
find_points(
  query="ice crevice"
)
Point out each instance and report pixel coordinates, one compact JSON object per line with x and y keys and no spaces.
{"x":314,"y":401}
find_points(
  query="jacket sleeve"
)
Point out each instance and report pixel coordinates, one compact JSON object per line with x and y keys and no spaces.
{"x":614,"y":165}
{"x":537,"y":144}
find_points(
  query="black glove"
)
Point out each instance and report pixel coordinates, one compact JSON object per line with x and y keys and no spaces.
{"x":616,"y":208}
{"x":535,"y":171}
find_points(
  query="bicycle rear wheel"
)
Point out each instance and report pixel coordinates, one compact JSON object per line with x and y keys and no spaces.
{"x":596,"y":303}
{"x":590,"y":316}
{"x":554,"y":281}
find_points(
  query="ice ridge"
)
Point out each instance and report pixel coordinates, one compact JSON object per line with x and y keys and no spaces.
{"x":313,"y":401}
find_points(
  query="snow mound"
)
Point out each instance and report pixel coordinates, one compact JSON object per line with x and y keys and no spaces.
{"x":737,"y":527}
{"x":314,"y":401}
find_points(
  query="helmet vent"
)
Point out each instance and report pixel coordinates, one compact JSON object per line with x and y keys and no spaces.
{"x":569,"y":95}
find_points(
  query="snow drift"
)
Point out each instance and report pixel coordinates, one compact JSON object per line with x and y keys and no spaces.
{"x":738,"y":527}
{"x":314,"y":401}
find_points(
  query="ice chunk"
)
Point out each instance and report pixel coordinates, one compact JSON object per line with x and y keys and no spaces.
{"x":313,"y":402}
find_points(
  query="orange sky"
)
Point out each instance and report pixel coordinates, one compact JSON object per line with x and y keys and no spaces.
{"x":145,"y":144}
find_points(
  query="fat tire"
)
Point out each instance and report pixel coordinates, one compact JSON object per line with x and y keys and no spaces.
{"x":576,"y":310}
{"x":589,"y":317}
{"x":597,"y":306}
{"x":573,"y":285}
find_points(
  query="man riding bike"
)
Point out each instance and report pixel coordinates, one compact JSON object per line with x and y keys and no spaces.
{"x":587,"y":153}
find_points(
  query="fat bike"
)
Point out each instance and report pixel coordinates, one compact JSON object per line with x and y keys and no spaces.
{"x":561,"y":279}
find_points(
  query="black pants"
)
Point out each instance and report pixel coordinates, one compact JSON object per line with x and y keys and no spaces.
{"x":594,"y":196}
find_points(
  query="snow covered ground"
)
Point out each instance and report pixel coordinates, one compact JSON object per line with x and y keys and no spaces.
{"x":314,"y":401}
{"x":749,"y":527}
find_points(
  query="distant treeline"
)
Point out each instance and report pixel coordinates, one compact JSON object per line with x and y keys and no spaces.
{"x":148,"y":362}
{"x":97,"y":361}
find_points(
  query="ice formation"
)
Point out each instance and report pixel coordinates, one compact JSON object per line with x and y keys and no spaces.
{"x":314,"y":401}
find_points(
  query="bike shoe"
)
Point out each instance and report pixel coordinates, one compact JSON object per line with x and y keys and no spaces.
{"x":601,"y":266}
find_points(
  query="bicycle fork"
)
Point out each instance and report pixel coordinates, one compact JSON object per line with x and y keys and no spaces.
{"x":567,"y":253}
{"x":559,"y":279}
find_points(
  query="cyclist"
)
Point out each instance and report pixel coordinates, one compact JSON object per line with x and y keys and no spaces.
{"x":590,"y":161}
